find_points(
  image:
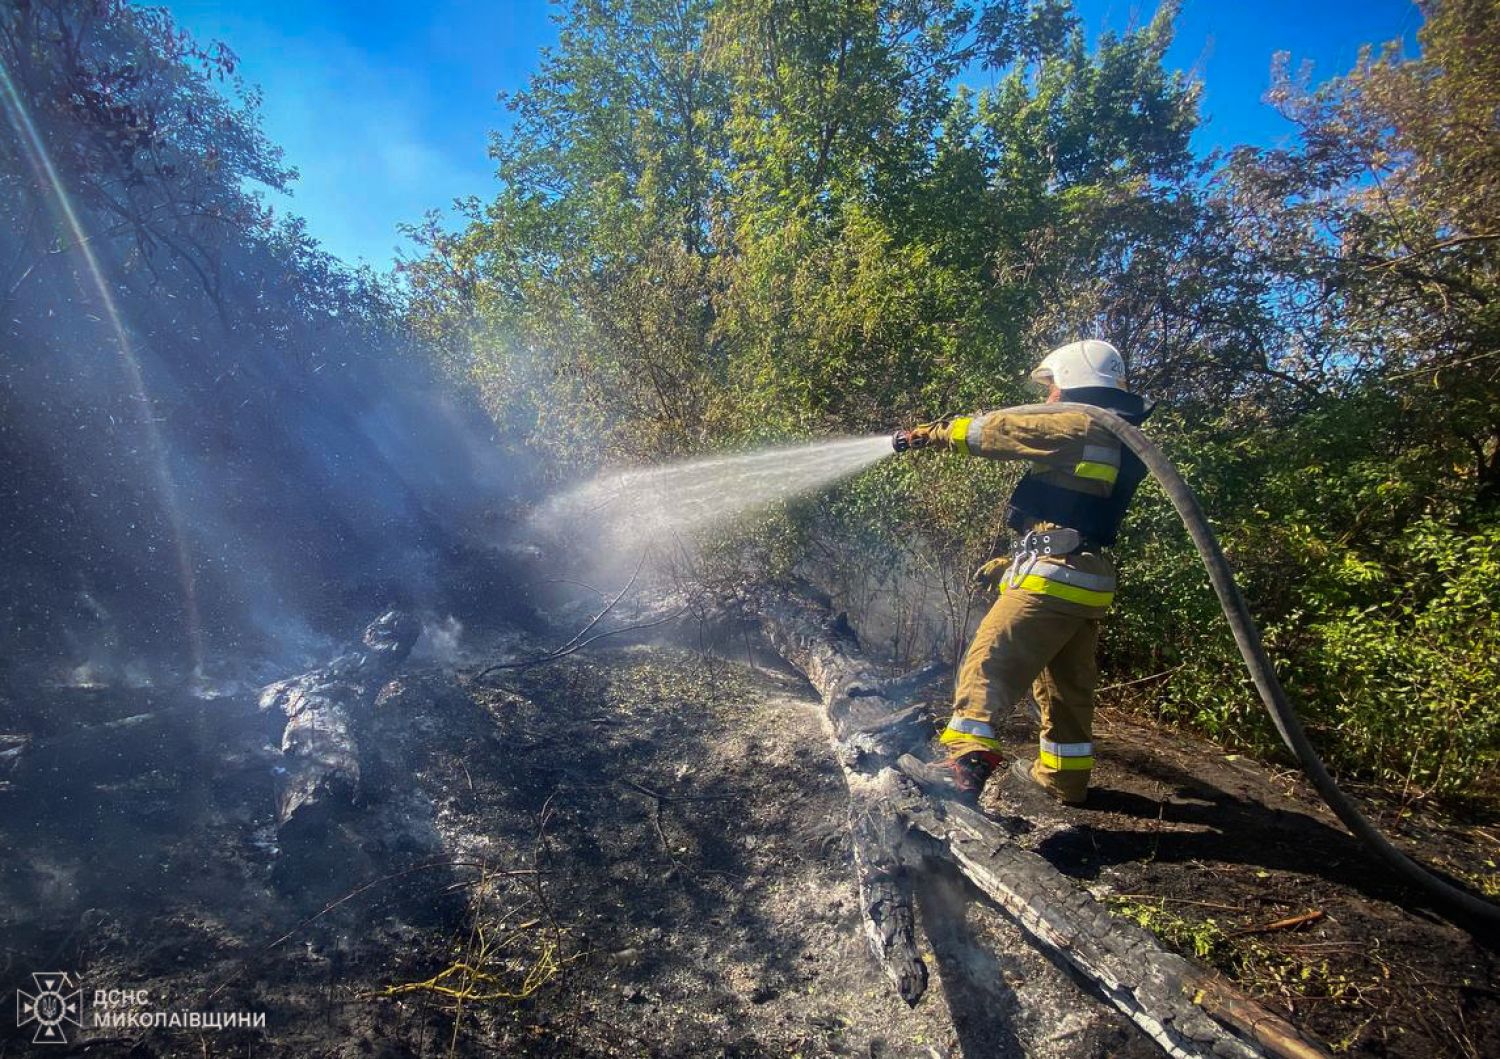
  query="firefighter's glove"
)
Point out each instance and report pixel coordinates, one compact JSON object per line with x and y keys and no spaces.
{"x":918,"y":437}
{"x":992,"y":573}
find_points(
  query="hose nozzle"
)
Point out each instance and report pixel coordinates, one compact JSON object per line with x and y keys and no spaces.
{"x":917,"y":437}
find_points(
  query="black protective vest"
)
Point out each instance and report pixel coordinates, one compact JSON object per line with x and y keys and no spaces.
{"x":1097,"y":518}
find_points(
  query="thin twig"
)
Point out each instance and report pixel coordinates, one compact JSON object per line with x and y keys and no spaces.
{"x":1460,"y":240}
{"x":661,"y":833}
{"x":1440,"y":367}
{"x":542,"y":852}
{"x":1142,"y":680}
{"x":371,"y":884}
{"x":1289,"y":923}
{"x":1177,"y":901}
{"x":555,"y":655}
{"x":581,"y":584}
{"x":609,"y":606}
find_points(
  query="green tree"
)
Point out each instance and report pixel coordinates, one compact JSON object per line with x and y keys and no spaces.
{"x":1354,"y":480}
{"x":584,"y":290}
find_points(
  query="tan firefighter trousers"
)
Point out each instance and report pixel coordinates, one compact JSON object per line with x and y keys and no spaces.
{"x":1030,"y":640}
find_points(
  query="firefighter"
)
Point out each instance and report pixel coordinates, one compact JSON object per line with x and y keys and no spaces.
{"x":1058,"y":582}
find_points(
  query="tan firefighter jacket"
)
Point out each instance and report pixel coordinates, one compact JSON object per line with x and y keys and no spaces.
{"x":1068,"y":450}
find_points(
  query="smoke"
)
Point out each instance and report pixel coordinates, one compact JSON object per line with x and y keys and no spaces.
{"x":313,"y":484}
{"x":441,"y":641}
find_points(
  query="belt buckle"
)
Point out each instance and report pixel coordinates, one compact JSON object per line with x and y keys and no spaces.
{"x":1023,"y":557}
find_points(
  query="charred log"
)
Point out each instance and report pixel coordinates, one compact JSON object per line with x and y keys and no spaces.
{"x":868,"y":732}
{"x":321,"y":771}
{"x":1187,"y":1009}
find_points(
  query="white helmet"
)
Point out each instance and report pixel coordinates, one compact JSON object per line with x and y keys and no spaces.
{"x":1086,"y":363}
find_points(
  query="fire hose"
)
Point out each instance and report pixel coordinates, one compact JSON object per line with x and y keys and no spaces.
{"x":1247,"y":636}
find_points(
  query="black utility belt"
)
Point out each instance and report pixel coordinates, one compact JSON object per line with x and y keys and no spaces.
{"x":1060,"y":540}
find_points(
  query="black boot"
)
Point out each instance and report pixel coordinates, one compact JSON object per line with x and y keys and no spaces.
{"x":960,"y":778}
{"x":1024,"y":783}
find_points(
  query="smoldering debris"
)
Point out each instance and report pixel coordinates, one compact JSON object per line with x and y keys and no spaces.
{"x":319,"y":778}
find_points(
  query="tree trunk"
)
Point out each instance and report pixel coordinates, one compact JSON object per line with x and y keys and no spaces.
{"x":868,"y":733}
{"x":1187,"y":1009}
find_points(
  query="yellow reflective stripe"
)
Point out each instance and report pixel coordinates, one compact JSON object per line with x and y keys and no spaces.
{"x":958,"y":434}
{"x":951,"y":736}
{"x":1086,"y":596}
{"x":1098,"y":472}
{"x":1065,"y":764}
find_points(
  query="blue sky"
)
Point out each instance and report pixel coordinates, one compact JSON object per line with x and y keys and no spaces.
{"x":385,"y":108}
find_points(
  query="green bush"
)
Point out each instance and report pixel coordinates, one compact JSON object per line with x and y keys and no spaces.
{"x":1376,"y":601}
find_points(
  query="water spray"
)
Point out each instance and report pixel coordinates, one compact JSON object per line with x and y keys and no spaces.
{"x":41,"y":162}
{"x":634,"y":509}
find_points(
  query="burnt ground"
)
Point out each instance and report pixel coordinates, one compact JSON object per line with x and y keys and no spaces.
{"x":639,"y":851}
{"x":1241,"y":866}
{"x":642,"y":851}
